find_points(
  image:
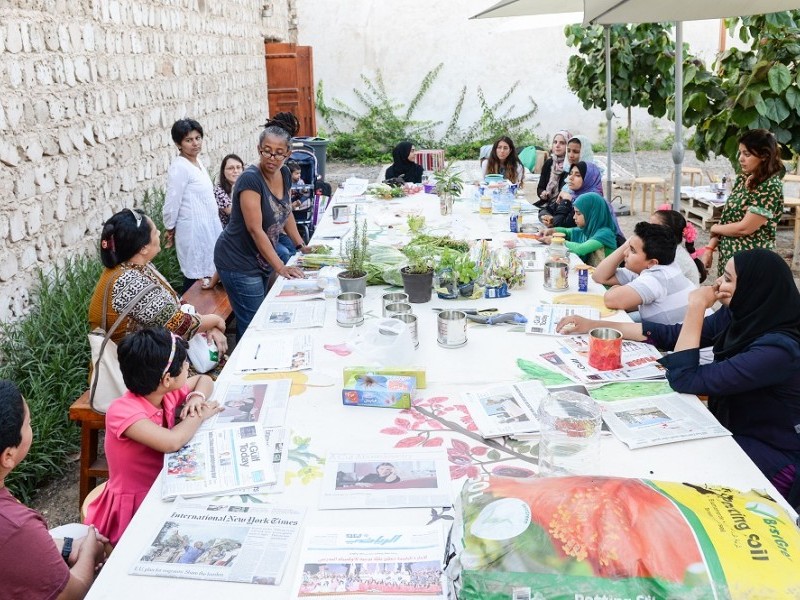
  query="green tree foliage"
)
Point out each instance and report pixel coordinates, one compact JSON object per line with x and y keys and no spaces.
{"x":758,"y":87}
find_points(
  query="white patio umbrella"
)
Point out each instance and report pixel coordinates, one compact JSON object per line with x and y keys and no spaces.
{"x":610,"y":12}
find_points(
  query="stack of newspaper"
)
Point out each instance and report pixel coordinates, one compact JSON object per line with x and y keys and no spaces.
{"x":572,"y":359}
{"x":241,"y":449}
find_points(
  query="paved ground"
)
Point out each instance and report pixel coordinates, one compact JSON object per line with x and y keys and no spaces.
{"x":59,"y":500}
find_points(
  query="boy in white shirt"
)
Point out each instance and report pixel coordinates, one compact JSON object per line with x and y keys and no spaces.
{"x":650,"y":282}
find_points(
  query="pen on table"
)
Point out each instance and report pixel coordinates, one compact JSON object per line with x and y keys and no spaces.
{"x":255,"y":356}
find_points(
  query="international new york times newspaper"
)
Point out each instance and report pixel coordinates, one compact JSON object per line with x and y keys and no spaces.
{"x":222,"y":542}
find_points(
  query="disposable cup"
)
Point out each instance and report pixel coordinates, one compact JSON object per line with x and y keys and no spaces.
{"x":570,"y":434}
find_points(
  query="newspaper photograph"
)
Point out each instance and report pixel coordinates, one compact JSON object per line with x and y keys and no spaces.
{"x":277,"y":353}
{"x":659,"y":420}
{"x":414,"y":478}
{"x":218,"y":461}
{"x":544,"y":318}
{"x":506,"y":409}
{"x":571,"y":358}
{"x":293,"y":290}
{"x":384,"y":562}
{"x":262,"y":402}
{"x":292,"y":315}
{"x":220,"y":542}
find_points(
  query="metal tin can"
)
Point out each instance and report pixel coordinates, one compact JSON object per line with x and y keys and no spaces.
{"x":556,"y":276}
{"x":350,"y":309}
{"x":451,"y":328}
{"x":411,"y":321}
{"x":397,"y":308}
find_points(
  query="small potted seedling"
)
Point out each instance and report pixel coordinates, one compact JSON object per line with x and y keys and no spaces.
{"x":354,"y":256}
{"x":418,"y":273}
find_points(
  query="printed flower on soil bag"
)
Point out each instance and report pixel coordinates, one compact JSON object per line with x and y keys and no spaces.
{"x":620,"y":527}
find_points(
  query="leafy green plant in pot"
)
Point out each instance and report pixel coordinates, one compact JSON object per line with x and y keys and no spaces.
{"x":418,"y":273}
{"x":449,"y":183}
{"x":354,"y":256}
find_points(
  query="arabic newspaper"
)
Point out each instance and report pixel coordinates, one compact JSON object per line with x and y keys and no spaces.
{"x":544,"y":318}
{"x":571,"y":357}
{"x":412,"y":478}
{"x":292,"y":315}
{"x":218,"y":461}
{"x":506,"y":409}
{"x":279,"y":353}
{"x":384,"y":562}
{"x":222,"y":542}
{"x":658,"y":420}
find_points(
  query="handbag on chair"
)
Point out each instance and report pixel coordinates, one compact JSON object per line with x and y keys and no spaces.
{"x":107,"y":382}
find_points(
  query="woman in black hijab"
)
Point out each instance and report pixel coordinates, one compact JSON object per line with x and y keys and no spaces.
{"x":753,"y":383}
{"x":404,"y":165}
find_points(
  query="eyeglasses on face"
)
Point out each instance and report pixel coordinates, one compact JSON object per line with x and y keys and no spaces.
{"x":278,"y":155}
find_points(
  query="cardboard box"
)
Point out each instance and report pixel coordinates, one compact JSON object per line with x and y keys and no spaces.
{"x":418,"y":373}
{"x":383,"y":391}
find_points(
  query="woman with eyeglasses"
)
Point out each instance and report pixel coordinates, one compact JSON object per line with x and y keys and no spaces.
{"x":190,"y":210}
{"x":245,"y":254}
{"x":129,"y":242}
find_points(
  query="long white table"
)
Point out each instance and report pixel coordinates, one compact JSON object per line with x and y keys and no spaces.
{"x":320,"y":424}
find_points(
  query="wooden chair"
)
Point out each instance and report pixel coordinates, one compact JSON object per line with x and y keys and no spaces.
{"x":92,"y":466}
{"x":91,"y":498}
{"x":646,"y":183}
{"x":206,"y":302}
{"x":692,"y":172}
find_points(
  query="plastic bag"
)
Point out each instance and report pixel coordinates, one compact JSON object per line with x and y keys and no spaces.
{"x":203,"y":353}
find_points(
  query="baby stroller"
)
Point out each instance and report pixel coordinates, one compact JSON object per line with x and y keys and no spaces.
{"x":304,"y":156}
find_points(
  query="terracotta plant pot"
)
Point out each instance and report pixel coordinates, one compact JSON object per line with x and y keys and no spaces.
{"x":418,"y":286}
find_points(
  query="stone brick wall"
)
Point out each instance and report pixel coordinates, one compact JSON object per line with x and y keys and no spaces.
{"x":88,"y":92}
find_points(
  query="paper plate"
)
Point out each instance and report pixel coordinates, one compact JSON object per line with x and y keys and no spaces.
{"x":592,"y":300}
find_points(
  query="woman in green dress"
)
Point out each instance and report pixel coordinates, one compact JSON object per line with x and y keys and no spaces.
{"x":755,"y":205}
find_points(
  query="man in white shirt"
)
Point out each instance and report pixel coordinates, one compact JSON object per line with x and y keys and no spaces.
{"x":650,"y":282}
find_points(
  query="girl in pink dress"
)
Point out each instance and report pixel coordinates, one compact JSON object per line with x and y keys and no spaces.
{"x":141,"y":425}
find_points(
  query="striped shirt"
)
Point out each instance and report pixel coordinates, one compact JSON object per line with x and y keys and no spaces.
{"x":664,"y":290}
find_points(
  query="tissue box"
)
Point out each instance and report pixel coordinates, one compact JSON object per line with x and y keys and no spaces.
{"x":383,"y":391}
{"x":418,"y":373}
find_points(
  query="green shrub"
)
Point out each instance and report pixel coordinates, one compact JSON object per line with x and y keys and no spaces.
{"x":369,"y":136}
{"x":47,"y":355}
{"x":167,"y":260}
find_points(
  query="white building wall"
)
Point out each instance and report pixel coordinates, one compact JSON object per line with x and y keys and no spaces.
{"x":88,"y":92}
{"x":407,"y":38}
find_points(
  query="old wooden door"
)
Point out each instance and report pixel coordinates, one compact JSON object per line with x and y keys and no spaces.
{"x":290,"y":83}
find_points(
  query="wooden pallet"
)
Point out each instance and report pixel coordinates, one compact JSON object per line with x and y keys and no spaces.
{"x":701,"y":212}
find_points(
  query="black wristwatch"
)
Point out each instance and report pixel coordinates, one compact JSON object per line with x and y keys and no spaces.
{"x":66,"y":549}
{"x":298,"y":246}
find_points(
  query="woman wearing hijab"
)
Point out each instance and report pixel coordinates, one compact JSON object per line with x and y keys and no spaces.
{"x":554,"y":172}
{"x":594,"y":237}
{"x":404,"y":165}
{"x":753,"y":384}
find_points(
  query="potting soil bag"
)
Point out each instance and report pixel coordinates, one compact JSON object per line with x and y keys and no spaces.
{"x":606,"y":538}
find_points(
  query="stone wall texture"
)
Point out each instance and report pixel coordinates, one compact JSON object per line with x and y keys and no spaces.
{"x":88,"y":92}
